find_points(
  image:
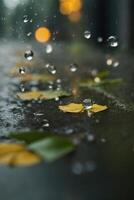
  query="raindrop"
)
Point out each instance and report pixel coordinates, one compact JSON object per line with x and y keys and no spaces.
{"x":112,"y":62}
{"x":50,"y":86}
{"x":25,"y":18}
{"x":112,"y":41}
{"x":73,"y":67}
{"x":46,"y":123}
{"x":59,"y":87}
{"x":100,"y":39}
{"x":90,"y":138}
{"x":38,"y":114}
{"x":29,"y":55}
{"x":22,"y":70}
{"x":116,"y":64}
{"x":68,"y":131}
{"x":87,"y":103}
{"x":57,"y":99}
{"x":47,"y":65}
{"x":89,"y":113}
{"x":22,"y":88}
{"x":87,"y":34}
{"x":51,"y":69}
{"x":29,"y":34}
{"x":77,"y":168}
{"x":109,"y":61}
{"x":97,"y":80}
{"x":49,"y":49}
{"x":103,"y":140}
{"x":94,"y":72}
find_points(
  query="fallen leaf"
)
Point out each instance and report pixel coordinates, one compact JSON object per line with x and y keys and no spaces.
{"x":29,"y":137}
{"x":72,"y":108}
{"x":36,"y":95}
{"x":52,"y":148}
{"x":17,"y":155}
{"x":26,"y":158}
{"x":7,"y":147}
{"x":78,"y":108}
{"x":98,"y":108}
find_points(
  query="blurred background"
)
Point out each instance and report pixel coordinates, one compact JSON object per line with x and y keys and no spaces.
{"x":68,"y":20}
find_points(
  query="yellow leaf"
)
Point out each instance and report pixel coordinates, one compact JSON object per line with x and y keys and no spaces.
{"x":98,"y":108}
{"x":6,"y":148}
{"x":72,"y":108}
{"x":77,"y":108}
{"x":26,"y":158}
{"x":17,"y":155}
{"x":35,"y":95}
{"x":31,"y":95}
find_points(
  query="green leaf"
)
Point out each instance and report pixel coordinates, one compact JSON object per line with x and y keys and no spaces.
{"x":52,"y":148}
{"x":29,"y":137}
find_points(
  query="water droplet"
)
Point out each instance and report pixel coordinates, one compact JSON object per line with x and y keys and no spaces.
{"x":94,"y":72}
{"x":58,"y":80}
{"x":59,"y":87}
{"x":87,"y":34}
{"x":29,"y":55}
{"x":116,"y":64}
{"x":22,"y":88}
{"x":103,"y":140}
{"x":87,"y":103}
{"x":57,"y":99}
{"x":90,"y":138}
{"x":109,"y":61}
{"x":73,"y":67}
{"x":22,"y":70}
{"x":46,"y":123}
{"x":51,"y":69}
{"x":38,"y":114}
{"x":112,"y":41}
{"x":50,"y":86}
{"x":112,"y":62}
{"x":97,"y":80}
{"x":29,"y":34}
{"x":68,"y":131}
{"x":49,"y":49}
{"x":89,"y":113}
{"x":47,"y":65}
{"x":77,"y":168}
{"x":100,"y":39}
{"x":26,"y":19}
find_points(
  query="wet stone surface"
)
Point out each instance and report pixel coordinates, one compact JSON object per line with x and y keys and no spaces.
{"x":102,"y":165}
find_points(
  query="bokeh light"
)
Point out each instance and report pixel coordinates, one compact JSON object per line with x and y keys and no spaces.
{"x":67,"y":7}
{"x":42,"y":34}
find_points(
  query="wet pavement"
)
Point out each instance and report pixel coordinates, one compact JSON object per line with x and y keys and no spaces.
{"x":102,"y":166}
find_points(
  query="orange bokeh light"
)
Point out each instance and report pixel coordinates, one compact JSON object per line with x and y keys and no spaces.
{"x":67,"y":7}
{"x":42,"y":34}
